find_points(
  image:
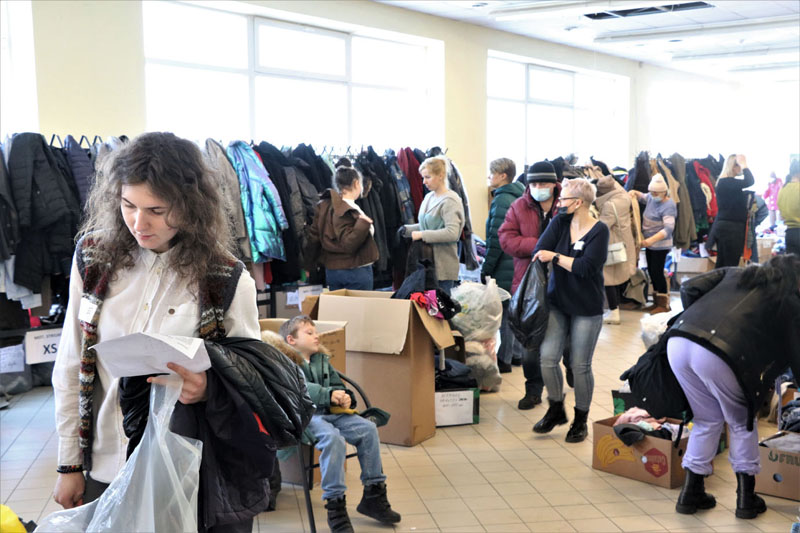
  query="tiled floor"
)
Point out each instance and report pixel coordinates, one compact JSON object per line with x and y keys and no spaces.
{"x":494,"y":476}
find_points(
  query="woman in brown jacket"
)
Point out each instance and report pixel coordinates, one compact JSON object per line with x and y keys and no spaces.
{"x":341,"y":237}
{"x":614,"y":206}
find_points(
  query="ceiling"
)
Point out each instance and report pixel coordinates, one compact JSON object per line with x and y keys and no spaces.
{"x":727,"y":39}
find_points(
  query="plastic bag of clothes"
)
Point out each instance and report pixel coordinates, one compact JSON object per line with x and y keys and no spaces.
{"x":157,"y":488}
{"x":653,"y":326}
{"x":481,"y":309}
{"x":528,"y":311}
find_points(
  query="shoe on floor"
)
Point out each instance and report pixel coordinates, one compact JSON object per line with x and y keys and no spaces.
{"x":611,"y":317}
{"x":504,"y":368}
{"x":529,"y":402}
{"x":375,"y":504}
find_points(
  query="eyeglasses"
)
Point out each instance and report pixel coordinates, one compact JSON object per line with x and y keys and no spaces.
{"x":568,"y":198}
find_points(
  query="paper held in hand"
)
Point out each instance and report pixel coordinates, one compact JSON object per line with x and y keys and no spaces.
{"x":139,"y":354}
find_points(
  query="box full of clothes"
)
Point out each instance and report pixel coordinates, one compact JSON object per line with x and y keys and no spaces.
{"x":637,"y":446}
{"x":780,"y":466}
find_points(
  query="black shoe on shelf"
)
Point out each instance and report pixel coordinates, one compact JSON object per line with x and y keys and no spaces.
{"x":505,"y":368}
{"x":529,"y":402}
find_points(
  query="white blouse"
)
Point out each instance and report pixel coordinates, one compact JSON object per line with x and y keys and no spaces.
{"x":149,"y":297}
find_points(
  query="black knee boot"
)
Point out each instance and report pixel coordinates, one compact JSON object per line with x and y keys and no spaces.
{"x":578,"y":430}
{"x":748,"y":504}
{"x":555,"y":416}
{"x":693,"y":495}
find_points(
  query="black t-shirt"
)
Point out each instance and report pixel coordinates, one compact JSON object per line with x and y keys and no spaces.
{"x":579,"y":292}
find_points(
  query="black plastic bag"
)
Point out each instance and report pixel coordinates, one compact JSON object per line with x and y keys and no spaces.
{"x":528,"y":311}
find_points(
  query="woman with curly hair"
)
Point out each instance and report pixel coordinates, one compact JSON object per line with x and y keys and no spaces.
{"x":154,"y":256}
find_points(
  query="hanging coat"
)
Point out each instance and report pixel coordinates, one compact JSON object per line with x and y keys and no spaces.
{"x":410,"y":167}
{"x":81,"y":165}
{"x":228,"y":181}
{"x":685,"y":231}
{"x":264,"y":217}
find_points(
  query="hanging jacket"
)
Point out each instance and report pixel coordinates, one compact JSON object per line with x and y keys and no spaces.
{"x":524,"y":224}
{"x":639,"y":176}
{"x":370,"y":202}
{"x":410,"y":166}
{"x":754,"y":331}
{"x":697,"y":199}
{"x":708,"y":190}
{"x":9,"y":226}
{"x":264,"y":218}
{"x":228,"y":183}
{"x":81,"y":165}
{"x":319,"y":173}
{"x":274,"y":161}
{"x":685,"y":231}
{"x":498,"y":264}
{"x":47,"y":211}
{"x":405,"y":202}
{"x":467,"y":245}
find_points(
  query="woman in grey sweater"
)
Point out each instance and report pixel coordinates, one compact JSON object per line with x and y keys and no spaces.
{"x":441,"y":221}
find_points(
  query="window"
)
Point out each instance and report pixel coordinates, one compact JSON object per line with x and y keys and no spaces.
{"x":18,"y":100}
{"x":536,"y":112}
{"x":285,"y":83}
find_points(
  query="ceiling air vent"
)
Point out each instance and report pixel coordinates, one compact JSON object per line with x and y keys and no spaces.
{"x":621,"y":13}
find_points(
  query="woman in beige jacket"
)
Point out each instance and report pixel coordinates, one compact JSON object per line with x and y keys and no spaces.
{"x":614,"y":206}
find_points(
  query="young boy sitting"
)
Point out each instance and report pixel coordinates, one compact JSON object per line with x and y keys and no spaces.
{"x":332,"y":431}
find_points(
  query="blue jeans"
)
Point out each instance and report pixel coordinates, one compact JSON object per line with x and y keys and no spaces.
{"x":583,"y":332}
{"x":358,"y":279}
{"x":331,"y":432}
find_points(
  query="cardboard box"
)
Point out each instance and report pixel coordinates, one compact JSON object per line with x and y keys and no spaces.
{"x":694,"y":264}
{"x":457,"y":407}
{"x":780,"y":471}
{"x":651,"y":460}
{"x":390,"y":347}
{"x":332,"y":336}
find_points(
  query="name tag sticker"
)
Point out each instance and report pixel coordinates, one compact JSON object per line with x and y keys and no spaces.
{"x":87,"y":310}
{"x":578,"y":245}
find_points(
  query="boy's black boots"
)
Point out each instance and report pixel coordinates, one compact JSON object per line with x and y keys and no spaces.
{"x":338,"y":521}
{"x":374,"y":504}
{"x":555,"y":416}
{"x":748,"y":504}
{"x":693,"y":494}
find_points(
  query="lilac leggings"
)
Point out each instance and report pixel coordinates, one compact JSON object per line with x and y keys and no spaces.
{"x":716,"y":397}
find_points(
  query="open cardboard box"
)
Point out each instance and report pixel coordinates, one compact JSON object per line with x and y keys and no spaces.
{"x":390,"y":347}
{"x":332,"y":336}
{"x":780,"y":471}
{"x":651,"y":460}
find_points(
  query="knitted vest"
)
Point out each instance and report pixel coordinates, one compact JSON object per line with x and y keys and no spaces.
{"x":216,"y":293}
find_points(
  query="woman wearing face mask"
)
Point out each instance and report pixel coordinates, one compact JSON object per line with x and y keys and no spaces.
{"x":658,"y":223}
{"x":441,"y":220}
{"x":525,"y":221}
{"x":577,"y":245}
{"x":730,"y":226}
{"x":341,"y":236}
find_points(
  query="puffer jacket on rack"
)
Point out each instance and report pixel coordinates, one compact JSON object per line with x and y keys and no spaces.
{"x":263,"y":213}
{"x":48,"y":212}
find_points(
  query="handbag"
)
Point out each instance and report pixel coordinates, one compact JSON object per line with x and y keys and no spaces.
{"x":616,"y":251}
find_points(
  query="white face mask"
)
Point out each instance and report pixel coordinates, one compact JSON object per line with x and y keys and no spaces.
{"x":541,"y":195}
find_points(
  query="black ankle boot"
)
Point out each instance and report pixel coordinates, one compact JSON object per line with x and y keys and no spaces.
{"x":375,"y":504}
{"x":578,"y":430}
{"x":555,"y":416}
{"x":338,"y":520}
{"x":748,"y":504}
{"x":693,"y":495}
{"x":529,"y":402}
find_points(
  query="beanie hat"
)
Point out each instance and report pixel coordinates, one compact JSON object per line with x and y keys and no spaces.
{"x":657,"y":184}
{"x":541,"y":172}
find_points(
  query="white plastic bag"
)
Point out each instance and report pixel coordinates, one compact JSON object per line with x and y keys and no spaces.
{"x":481,"y":309}
{"x":653,"y":326}
{"x":157,"y":488}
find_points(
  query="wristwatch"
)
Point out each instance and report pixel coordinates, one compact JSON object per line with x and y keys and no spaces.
{"x":556,"y":258}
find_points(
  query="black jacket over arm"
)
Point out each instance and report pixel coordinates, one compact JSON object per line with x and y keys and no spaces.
{"x":756,"y":332}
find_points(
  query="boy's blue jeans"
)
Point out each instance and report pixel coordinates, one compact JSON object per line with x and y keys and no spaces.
{"x":331,"y":432}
